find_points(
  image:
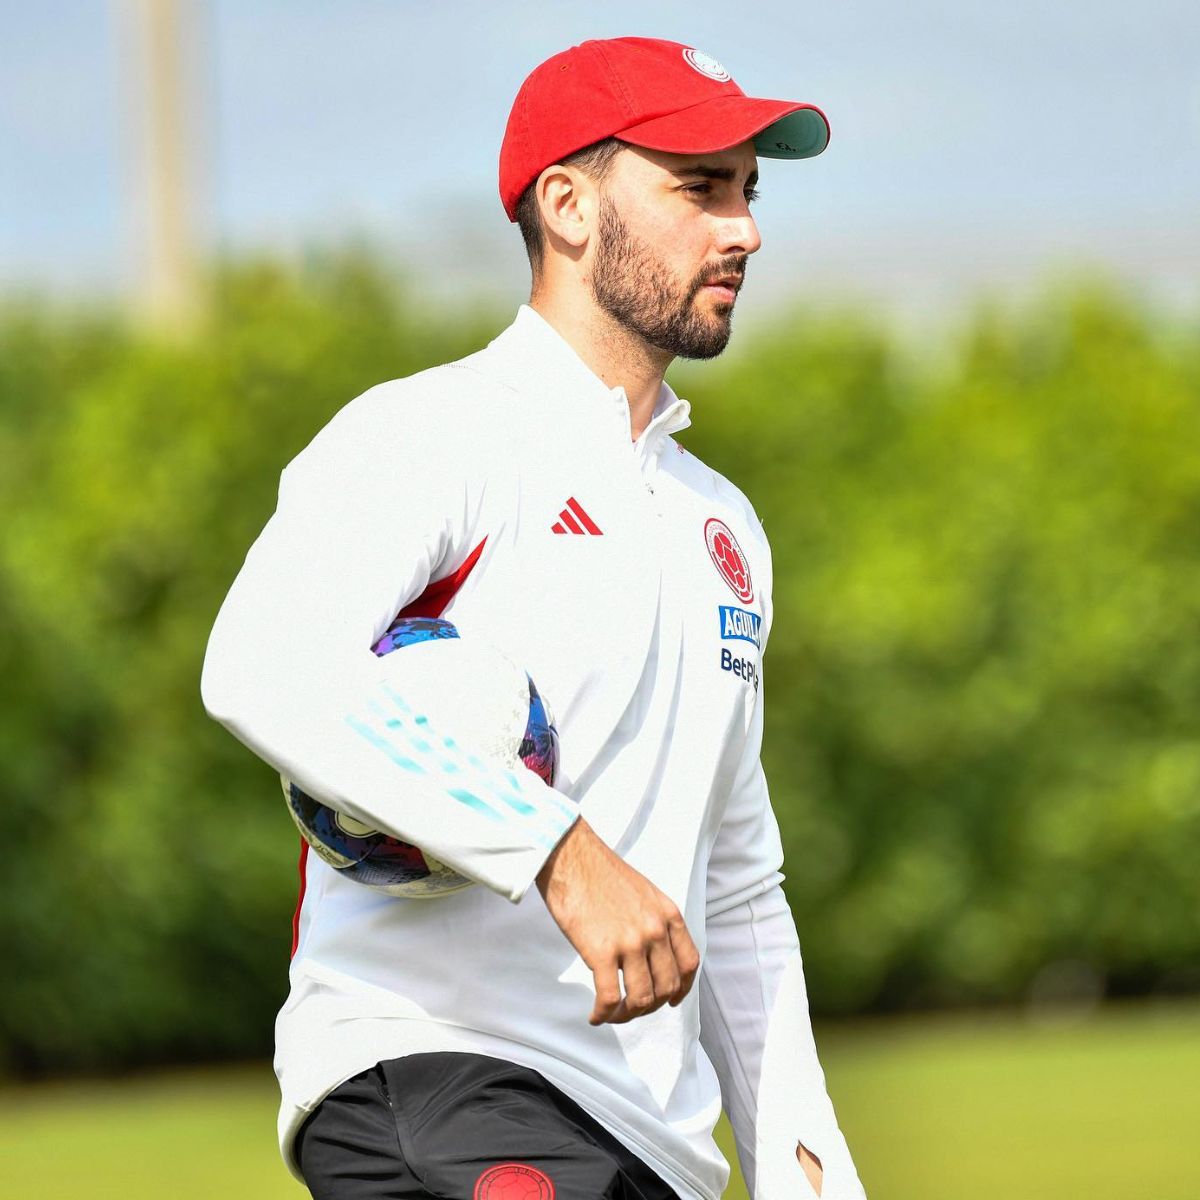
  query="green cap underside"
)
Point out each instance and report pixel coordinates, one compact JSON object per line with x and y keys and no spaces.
{"x":801,"y":134}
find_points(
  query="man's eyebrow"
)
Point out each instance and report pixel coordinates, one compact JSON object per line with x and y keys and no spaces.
{"x":722,"y":173}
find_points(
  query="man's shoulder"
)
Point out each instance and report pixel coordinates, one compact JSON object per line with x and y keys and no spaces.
{"x":436,"y":419}
{"x":708,"y":482}
{"x":449,"y":402}
{"x":434,"y":394}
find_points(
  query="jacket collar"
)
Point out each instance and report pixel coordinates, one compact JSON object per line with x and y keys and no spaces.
{"x":532,"y":357}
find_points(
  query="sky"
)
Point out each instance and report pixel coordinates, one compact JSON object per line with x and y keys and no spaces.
{"x":975,"y":146}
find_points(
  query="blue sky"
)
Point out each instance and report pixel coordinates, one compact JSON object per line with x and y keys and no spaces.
{"x":979,"y":145}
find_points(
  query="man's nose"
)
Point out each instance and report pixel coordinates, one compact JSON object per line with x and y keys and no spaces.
{"x":739,"y":235}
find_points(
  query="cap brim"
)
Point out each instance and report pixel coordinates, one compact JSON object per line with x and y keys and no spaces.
{"x":778,"y":128}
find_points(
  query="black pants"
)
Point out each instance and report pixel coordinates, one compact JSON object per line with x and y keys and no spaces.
{"x":463,"y":1127}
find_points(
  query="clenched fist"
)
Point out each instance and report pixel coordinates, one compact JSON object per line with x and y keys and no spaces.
{"x":619,"y":922}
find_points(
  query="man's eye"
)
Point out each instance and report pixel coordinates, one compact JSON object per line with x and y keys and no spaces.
{"x":703,"y":189}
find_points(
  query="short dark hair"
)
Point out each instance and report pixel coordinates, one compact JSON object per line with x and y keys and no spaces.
{"x":595,"y":160}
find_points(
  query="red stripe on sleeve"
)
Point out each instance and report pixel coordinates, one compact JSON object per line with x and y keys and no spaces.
{"x":433,"y":600}
{"x":303,"y":867}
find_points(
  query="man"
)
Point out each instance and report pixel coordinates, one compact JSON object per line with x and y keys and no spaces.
{"x":533,"y":494}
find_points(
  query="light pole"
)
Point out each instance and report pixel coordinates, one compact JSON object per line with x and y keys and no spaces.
{"x":170,"y":292}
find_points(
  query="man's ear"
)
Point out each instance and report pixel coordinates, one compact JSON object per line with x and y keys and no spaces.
{"x":569,"y":203}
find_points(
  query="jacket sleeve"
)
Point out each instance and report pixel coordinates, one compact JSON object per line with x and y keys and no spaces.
{"x":367,"y":515}
{"x":754,"y":1015}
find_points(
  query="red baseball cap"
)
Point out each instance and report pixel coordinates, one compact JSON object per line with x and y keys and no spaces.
{"x":648,"y":92}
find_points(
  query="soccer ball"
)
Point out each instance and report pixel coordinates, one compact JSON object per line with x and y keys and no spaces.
{"x":465,"y":686}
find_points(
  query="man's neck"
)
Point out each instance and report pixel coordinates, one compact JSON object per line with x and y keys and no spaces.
{"x":618,"y":356}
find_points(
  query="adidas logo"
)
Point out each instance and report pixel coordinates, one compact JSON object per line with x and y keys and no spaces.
{"x":573,"y":519}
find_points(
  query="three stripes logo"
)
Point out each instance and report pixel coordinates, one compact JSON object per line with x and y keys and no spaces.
{"x":573,"y":519}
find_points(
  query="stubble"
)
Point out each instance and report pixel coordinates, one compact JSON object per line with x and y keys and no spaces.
{"x":638,"y":290}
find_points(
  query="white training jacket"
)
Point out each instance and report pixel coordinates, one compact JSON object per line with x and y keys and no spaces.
{"x":634,"y":584}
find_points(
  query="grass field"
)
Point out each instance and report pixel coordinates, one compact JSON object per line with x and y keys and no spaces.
{"x":969,"y":1108}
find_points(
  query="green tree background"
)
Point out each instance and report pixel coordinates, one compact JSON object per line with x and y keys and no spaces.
{"x":982,"y":679}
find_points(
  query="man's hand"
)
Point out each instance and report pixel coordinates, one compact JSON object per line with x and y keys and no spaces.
{"x":812,"y":1166}
{"x":618,"y":920}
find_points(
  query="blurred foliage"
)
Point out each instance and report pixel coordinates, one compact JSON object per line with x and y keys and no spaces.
{"x":983,"y":671}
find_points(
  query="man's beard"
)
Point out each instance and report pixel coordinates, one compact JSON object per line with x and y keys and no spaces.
{"x":637,"y":289}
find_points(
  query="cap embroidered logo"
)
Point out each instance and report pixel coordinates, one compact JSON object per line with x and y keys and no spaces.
{"x":728,"y":558}
{"x":706,"y":65}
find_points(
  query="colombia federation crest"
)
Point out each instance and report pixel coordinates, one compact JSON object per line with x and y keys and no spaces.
{"x":728,"y":558}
